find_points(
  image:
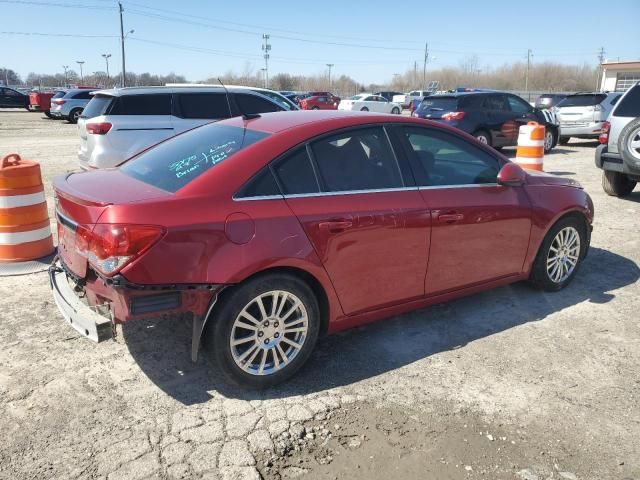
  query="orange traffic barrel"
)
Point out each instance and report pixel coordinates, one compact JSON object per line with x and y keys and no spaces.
{"x":530,"y":152}
{"x":25,"y":232}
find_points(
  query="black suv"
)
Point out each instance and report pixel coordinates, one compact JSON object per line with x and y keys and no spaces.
{"x":10,"y":98}
{"x":494,"y":118}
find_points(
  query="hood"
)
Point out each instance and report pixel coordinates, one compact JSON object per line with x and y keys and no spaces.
{"x":541,"y":178}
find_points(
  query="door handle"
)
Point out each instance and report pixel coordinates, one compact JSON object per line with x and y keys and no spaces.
{"x":450,"y":217}
{"x":335,"y":226}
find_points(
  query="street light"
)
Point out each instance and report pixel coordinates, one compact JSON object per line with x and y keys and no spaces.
{"x":81,"y":62}
{"x":106,"y":58}
{"x":330,"y":65}
{"x":66,"y":81}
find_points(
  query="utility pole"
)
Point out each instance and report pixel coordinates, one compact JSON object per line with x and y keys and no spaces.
{"x":106,"y":58}
{"x":266,"y":48}
{"x":264,"y":77}
{"x":66,"y":81}
{"x":424,"y":67}
{"x":599,"y":69}
{"x":330,"y":65}
{"x":81,"y":62}
{"x":526,"y":77}
{"x":123,"y":82}
{"x":415,"y":71}
{"x":6,"y":77}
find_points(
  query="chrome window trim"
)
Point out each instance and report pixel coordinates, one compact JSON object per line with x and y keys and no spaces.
{"x":464,"y":185}
{"x":351,"y":192}
{"x":258,"y":197}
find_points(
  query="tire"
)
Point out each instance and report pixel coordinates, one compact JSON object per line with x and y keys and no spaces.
{"x":48,"y":114}
{"x":542,"y":276}
{"x":483,"y":137}
{"x":549,"y":140}
{"x":315,"y":108}
{"x":74,"y":115}
{"x":563,"y":140}
{"x":629,"y":142}
{"x":225,"y":327}
{"x":617,"y":184}
{"x":364,"y":109}
{"x":395,"y":111}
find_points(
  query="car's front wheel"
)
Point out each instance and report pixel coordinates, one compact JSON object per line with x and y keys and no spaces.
{"x":364,"y":109}
{"x":549,"y":140}
{"x":560,"y":255}
{"x":395,"y":111}
{"x":264,"y":330}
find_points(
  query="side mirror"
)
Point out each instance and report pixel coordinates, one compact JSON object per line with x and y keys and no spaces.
{"x":511,"y":175}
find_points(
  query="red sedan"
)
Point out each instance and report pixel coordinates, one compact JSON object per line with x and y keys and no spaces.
{"x":268,"y":232}
{"x":320,"y":102}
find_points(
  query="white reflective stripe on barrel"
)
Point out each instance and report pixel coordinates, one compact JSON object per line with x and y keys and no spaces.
{"x":16,"y":238}
{"x":13,"y":201}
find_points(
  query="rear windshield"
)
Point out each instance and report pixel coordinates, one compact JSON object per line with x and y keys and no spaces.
{"x":59,"y":94}
{"x":439,"y":104}
{"x":582,"y":100}
{"x":97,"y":106}
{"x":178,"y":161}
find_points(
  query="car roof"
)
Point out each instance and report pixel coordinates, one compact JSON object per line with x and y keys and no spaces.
{"x":119,"y":92}
{"x":322,"y":119}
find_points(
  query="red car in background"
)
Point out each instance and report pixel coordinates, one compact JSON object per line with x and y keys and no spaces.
{"x":266,"y":232}
{"x":320,"y":101}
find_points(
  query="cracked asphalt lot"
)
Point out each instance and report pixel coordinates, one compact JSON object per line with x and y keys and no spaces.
{"x":432,"y":393}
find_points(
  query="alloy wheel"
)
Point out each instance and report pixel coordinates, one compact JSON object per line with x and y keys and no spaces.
{"x":563,"y":254}
{"x":269,"y":332}
{"x":548,"y":141}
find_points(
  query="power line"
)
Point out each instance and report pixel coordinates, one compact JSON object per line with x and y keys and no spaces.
{"x":72,"y":35}
{"x":55,"y":4}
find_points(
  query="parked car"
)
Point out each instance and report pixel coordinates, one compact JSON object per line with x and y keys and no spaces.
{"x":494,"y":118}
{"x":235,"y":228}
{"x":416,"y":103}
{"x":388,"y":95}
{"x":41,"y":101}
{"x":11,"y":98}
{"x":549,"y":100}
{"x":120,"y":123}
{"x":619,"y":153}
{"x":582,"y":115}
{"x":367,"y":102}
{"x":70,"y":105}
{"x":319,"y":102}
{"x":405,"y":99}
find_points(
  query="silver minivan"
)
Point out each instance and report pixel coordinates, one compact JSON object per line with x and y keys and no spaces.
{"x":582,"y":115}
{"x":118,"y":123}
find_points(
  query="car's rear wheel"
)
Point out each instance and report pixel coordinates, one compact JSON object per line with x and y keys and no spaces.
{"x":483,"y":137}
{"x":560,"y":254}
{"x":74,"y":115}
{"x":563,"y":140}
{"x":364,"y":109}
{"x":48,"y":114}
{"x":617,"y":184}
{"x":549,"y":140}
{"x":395,"y":111}
{"x":315,"y":108}
{"x":264,"y":330}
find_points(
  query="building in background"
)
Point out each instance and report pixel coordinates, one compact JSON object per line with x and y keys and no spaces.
{"x":619,"y":76}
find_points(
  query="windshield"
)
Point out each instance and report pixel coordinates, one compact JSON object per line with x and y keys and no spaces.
{"x":97,"y":106}
{"x":178,"y":161}
{"x":284,"y":102}
{"x":582,"y":100}
{"x":439,"y":104}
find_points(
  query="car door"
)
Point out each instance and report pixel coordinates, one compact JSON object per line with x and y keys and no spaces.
{"x":192,"y":109}
{"x":370,"y":231}
{"x":521,"y":113}
{"x":497,"y":118}
{"x":480,"y":230}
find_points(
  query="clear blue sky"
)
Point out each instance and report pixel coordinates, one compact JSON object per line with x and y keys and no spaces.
{"x":366,"y":40}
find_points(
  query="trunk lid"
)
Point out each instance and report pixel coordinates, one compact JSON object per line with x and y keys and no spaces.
{"x":82,"y":198}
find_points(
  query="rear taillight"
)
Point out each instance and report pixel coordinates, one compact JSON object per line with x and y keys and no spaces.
{"x":59,"y":102}
{"x":98,"y":128}
{"x":604,"y":136}
{"x":453,"y":116}
{"x":109,"y":247}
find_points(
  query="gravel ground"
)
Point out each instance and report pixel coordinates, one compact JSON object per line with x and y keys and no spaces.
{"x":511,"y":383}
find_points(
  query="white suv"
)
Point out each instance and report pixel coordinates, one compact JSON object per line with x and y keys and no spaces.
{"x":582,"y":115}
{"x":117,"y":124}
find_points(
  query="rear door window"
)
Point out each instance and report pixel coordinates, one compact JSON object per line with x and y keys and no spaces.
{"x":173,"y":164}
{"x":252,"y":104}
{"x":154,"y":104}
{"x":629,"y":106}
{"x":517,"y":105}
{"x":97,"y":106}
{"x":295,"y":174}
{"x":202,"y":105}
{"x":582,"y":100}
{"x":356,"y":160}
{"x":495,"y":102}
